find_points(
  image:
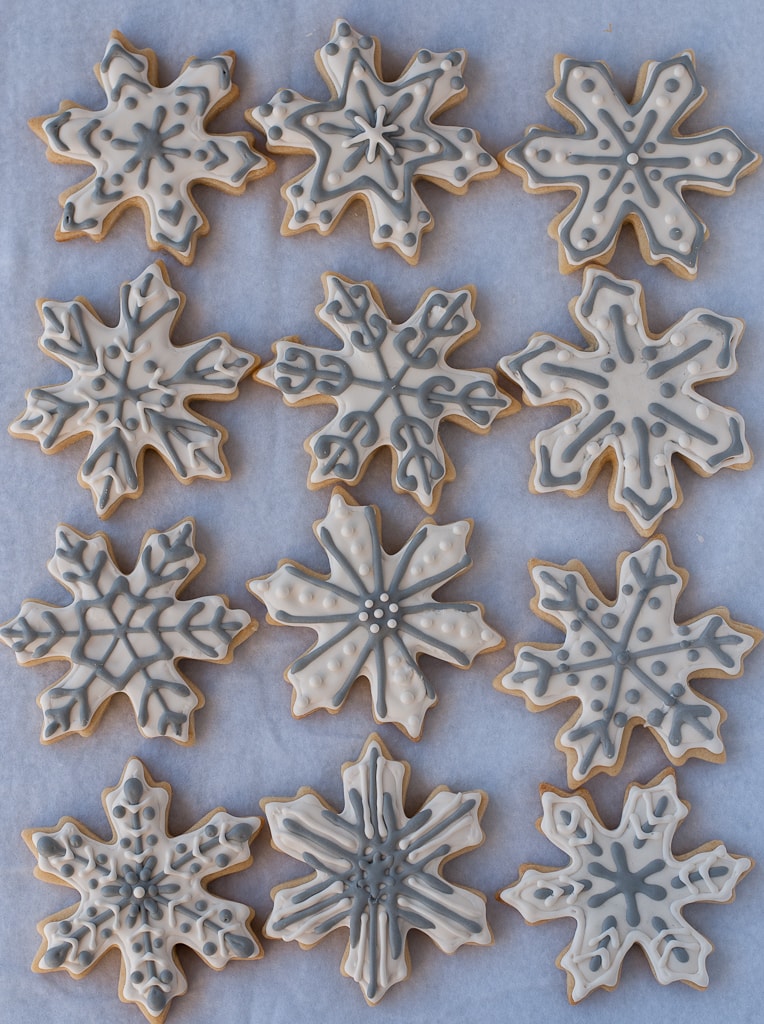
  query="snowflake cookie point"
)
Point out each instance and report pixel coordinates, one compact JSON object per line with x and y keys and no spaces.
{"x":392,"y":384}
{"x":144,"y":892}
{"x":123,"y":633}
{"x":628,"y":162}
{"x":373,"y":140}
{"x":625,"y":886}
{"x":376,"y":624}
{"x":130,"y":389}
{"x":627,"y":662}
{"x":376,"y":871}
{"x":143,"y":157}
{"x":633,"y":400}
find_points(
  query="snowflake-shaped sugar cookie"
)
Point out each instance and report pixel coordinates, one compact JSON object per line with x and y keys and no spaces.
{"x":634,"y":399}
{"x":628,"y":162}
{"x":392,"y":385}
{"x":627,"y":662}
{"x":376,"y":871}
{"x":144,"y":892}
{"x":373,"y":140}
{"x":125,"y":633}
{"x":375,"y":614}
{"x":129,"y":389}
{"x":149,"y":146}
{"x":625,"y":886}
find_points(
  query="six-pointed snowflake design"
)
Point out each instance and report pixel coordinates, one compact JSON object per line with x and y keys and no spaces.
{"x":376,"y":871}
{"x":625,"y":886}
{"x":373,"y":140}
{"x":636,"y":399}
{"x":374,"y":615}
{"x":129,"y":388}
{"x":628,"y":162}
{"x":392,"y":385}
{"x":627,"y":662}
{"x":125,"y":633}
{"x":144,"y":892}
{"x":150,"y":145}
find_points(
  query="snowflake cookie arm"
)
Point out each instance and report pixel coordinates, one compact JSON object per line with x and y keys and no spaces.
{"x":392,"y":384}
{"x":150,"y":146}
{"x":373,"y":140}
{"x":628,"y":162}
{"x":374,"y":615}
{"x":125,"y":634}
{"x":625,"y":886}
{"x":130,"y":387}
{"x":633,"y":399}
{"x":144,"y":892}
{"x":627,"y":662}
{"x":376,"y":871}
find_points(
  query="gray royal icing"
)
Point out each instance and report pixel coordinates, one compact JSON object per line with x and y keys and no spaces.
{"x":376,"y":871}
{"x":627,"y":663}
{"x":144,"y":892}
{"x":124,"y":633}
{"x":628,"y":160}
{"x":625,"y":887}
{"x":392,"y":384}
{"x":151,"y":144}
{"x":129,"y":389}
{"x":636,"y":399}
{"x":374,"y":615}
{"x":373,"y":140}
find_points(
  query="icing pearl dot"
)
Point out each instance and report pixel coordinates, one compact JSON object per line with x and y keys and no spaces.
{"x":393,"y":607}
{"x":356,"y":547}
{"x":394,"y":660}
{"x":592,"y":448}
{"x":391,"y":624}
{"x":400,"y":226}
{"x":598,"y":99}
{"x":378,"y":613}
{"x":283,"y":590}
{"x":530,"y":152}
{"x":602,"y":323}
{"x":677,"y":339}
{"x":363,"y":569}
{"x":670,"y":218}
{"x":486,"y":636}
{"x":560,"y":157}
{"x":469,"y":155}
{"x":407,"y":697}
{"x":661,"y":101}
{"x":630,"y":462}
{"x":577,"y":73}
{"x":420,"y":89}
{"x":425,"y":622}
{"x":700,"y":161}
{"x":631,"y":319}
{"x":701,"y":411}
{"x":315,"y":681}
{"x":684,"y":440}
{"x":563,"y":356}
{"x":329,"y":602}
{"x":684,"y":247}
{"x":349,"y":648}
{"x":732,"y":155}
{"x":460,"y":528}
{"x":445,"y":545}
{"x":659,"y":460}
{"x":333,"y":664}
{"x":557,"y":384}
{"x":311,"y":120}
{"x":374,"y":628}
{"x":397,"y":194}
{"x":333,"y":178}
{"x":569,"y":428}
{"x":309,"y":206}
{"x":363,"y":616}
{"x":632,"y":159}
{"x":678,"y":71}
{"x":433,"y":147}
{"x":597,"y":218}
{"x":693,"y":367}
{"x":305,"y":597}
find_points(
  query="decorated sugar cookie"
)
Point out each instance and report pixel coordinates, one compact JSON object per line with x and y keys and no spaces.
{"x":125,"y":633}
{"x":633,"y":400}
{"x":144,"y":892}
{"x":392,"y":384}
{"x":129,"y":389}
{"x":375,"y":615}
{"x":149,"y":147}
{"x":374,"y":140}
{"x":627,"y":662}
{"x":629,"y":163}
{"x":625,"y":886}
{"x":375,"y":871}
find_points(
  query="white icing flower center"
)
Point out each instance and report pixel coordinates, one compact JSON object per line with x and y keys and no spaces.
{"x":374,"y":135}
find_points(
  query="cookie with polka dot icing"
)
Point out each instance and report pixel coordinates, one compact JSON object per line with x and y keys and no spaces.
{"x":628,"y":162}
{"x":374,"y":614}
{"x":150,"y":147}
{"x":372,"y":140}
{"x":633,"y":400}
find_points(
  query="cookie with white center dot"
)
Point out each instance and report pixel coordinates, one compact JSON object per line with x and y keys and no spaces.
{"x":633,"y":400}
{"x":374,"y":614}
{"x":628,"y":162}
{"x":372,"y":140}
{"x":149,"y":147}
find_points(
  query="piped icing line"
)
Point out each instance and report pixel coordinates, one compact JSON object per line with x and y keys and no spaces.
{"x":632,"y":398}
{"x":374,"y":614}
{"x":392,"y":384}
{"x":374,"y":140}
{"x":125,"y":633}
{"x":627,"y":662}
{"x":625,"y":886}
{"x":149,"y":146}
{"x":628,"y":162}
{"x":376,"y":871}
{"x":130,"y":387}
{"x":144,"y":892}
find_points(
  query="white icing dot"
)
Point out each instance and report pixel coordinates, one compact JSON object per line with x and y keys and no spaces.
{"x":678,"y":70}
{"x":597,"y":218}
{"x":560,"y":157}
{"x":374,"y":628}
{"x":407,"y":697}
{"x":732,"y":155}
{"x":283,"y":590}
{"x":445,"y":65}
{"x":394,"y":660}
{"x":557,"y":384}
{"x":433,"y":147}
{"x":384,"y":597}
{"x":469,"y":155}
{"x":630,"y":462}
{"x":393,"y":607}
{"x":279,"y":110}
{"x":309,"y":206}
{"x":446,"y":627}
{"x":391,"y":624}
{"x":530,"y":152}
{"x":306,"y":597}
{"x":345,"y":42}
{"x":693,"y":367}
{"x":416,"y":570}
{"x":333,"y":664}
{"x":356,"y":547}
{"x":677,"y":339}
{"x":445,"y":545}
{"x":349,"y":648}
{"x":602,"y":323}
{"x":363,"y":569}
{"x":368,"y":603}
{"x":466,"y":632}
{"x":633,"y":158}
{"x":397,"y":194}
{"x":419,"y":89}
{"x":670,"y":218}
{"x":661,"y":101}
{"x":592,"y":448}
{"x":684,"y":440}
{"x":358,"y":71}
{"x":333,"y":178}
{"x":700,"y":161}
{"x":429,"y":557}
{"x":684,"y":247}
{"x":401,"y":226}
{"x":486,"y":635}
{"x":701,"y":411}
{"x":598,"y":99}
{"x":139,"y":892}
{"x":378,"y":613}
{"x":577,"y":73}
{"x":563,"y":356}
{"x":348,"y":530}
{"x":425,"y":622}
{"x":311,"y":120}
{"x":363,"y":616}
{"x":631,"y":319}
{"x":659,"y":460}
{"x":329,"y":601}
{"x":569,"y":428}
